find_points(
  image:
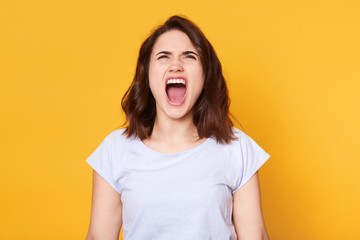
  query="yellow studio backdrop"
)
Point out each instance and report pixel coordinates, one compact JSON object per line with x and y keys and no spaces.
{"x":292,"y":69}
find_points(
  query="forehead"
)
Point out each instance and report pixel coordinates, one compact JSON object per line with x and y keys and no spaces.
{"x":173,"y":40}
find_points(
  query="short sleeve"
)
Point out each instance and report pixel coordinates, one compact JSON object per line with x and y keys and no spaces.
{"x":101,"y":160}
{"x":249,"y":158}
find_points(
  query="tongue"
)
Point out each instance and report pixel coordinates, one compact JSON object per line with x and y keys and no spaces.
{"x":176,"y":94}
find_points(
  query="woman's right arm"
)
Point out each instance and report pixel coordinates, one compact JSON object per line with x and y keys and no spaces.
{"x":106,"y":211}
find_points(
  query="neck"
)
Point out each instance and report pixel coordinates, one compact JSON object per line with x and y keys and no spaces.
{"x":174,"y":130}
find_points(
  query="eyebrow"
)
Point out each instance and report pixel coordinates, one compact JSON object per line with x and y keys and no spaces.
{"x":184,"y":53}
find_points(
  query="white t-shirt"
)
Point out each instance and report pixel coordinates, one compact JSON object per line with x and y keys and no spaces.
{"x":186,"y":195}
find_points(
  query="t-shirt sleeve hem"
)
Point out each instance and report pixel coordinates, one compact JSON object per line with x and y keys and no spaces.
{"x":258,"y":165}
{"x":104,"y":176}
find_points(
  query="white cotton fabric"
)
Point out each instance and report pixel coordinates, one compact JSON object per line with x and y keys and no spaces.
{"x":186,"y":195}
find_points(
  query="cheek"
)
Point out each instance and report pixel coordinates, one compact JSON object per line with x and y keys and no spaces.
{"x":156,"y":74}
{"x":200,"y":87}
{"x":200,"y":84}
{"x":154,"y":85}
{"x":153,"y":78}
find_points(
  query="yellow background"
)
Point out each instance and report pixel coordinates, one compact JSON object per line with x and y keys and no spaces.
{"x":292,"y":69}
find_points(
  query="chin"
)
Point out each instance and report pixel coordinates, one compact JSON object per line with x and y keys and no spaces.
{"x":177,"y":113}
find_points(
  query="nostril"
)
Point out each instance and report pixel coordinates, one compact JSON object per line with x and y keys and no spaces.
{"x":175,"y":69}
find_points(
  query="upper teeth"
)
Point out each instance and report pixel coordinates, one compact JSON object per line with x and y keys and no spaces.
{"x":176,"y":80}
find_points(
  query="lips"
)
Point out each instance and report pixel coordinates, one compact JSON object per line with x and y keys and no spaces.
{"x":176,"y":90}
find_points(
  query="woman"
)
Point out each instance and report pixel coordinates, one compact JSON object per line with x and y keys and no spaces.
{"x":179,"y":170}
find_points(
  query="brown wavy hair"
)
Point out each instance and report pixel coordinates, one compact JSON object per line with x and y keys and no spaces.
{"x":211,"y":110}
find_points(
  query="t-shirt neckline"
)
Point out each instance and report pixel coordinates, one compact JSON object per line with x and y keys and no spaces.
{"x":150,"y":150}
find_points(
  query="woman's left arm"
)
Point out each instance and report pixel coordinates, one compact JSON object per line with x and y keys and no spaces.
{"x":247,"y":213}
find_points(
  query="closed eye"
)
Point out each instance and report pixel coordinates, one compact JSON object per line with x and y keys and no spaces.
{"x":190,"y":56}
{"x":163,"y":56}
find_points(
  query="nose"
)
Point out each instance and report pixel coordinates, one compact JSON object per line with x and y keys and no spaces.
{"x":176,"y":66}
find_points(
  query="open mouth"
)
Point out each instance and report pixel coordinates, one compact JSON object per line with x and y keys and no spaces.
{"x":176,"y":90}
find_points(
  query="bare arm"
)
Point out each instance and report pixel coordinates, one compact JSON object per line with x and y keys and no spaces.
{"x":106,"y":211}
{"x":247,"y":212}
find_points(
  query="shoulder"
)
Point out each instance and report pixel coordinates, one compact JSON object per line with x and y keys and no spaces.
{"x":117,"y":136}
{"x":238,"y":133}
{"x":118,"y":133}
{"x":240,"y":137}
{"x":244,"y":144}
{"x":227,"y":150}
{"x":115,"y":143}
{"x":112,"y":151}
